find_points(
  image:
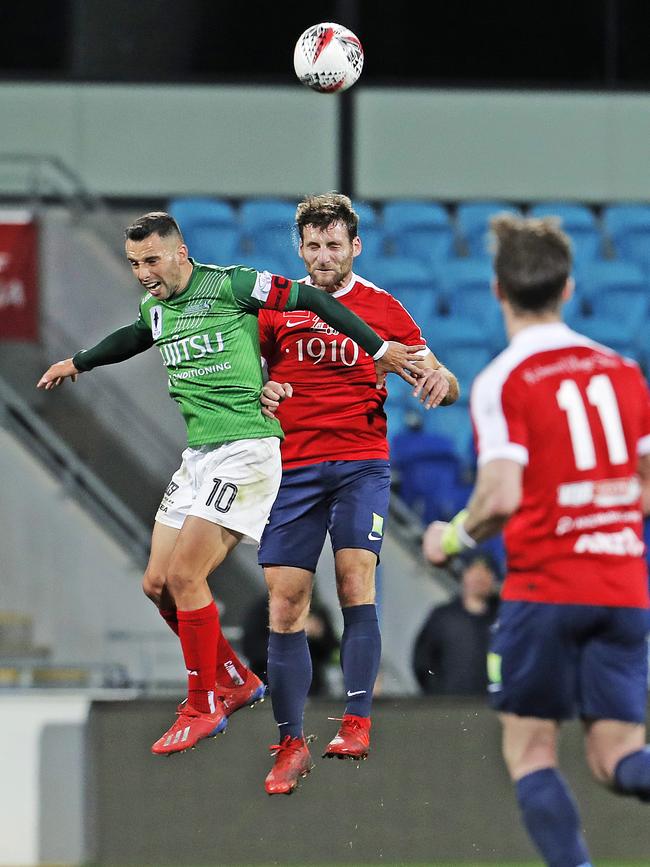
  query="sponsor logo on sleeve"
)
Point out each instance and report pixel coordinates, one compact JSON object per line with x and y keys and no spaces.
{"x":156,"y":321}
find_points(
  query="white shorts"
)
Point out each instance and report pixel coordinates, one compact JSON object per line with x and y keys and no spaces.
{"x":233,"y":485}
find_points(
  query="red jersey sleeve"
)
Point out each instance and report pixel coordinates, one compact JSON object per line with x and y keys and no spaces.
{"x":399,"y":325}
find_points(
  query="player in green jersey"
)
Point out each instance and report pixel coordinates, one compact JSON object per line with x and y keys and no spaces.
{"x":203,"y":320}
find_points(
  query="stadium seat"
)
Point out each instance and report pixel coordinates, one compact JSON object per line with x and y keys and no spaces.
{"x":409,"y":281}
{"x":216,"y":245}
{"x":421,"y":230}
{"x":453,"y":421}
{"x":616,"y":318}
{"x":472,"y":224}
{"x":192,"y":211}
{"x":368,"y":217}
{"x":209,"y":227}
{"x":268,"y":227}
{"x":580,"y":223}
{"x":466,"y":362}
{"x":595,"y":278}
{"x":429,"y":474}
{"x":466,"y":297}
{"x":628,"y":229}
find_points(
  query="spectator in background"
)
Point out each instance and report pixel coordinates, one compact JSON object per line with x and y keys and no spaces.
{"x":321,"y":639}
{"x":450,"y":651}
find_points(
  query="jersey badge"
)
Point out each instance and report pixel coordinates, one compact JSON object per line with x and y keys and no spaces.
{"x":196,"y":307}
{"x":156,"y":321}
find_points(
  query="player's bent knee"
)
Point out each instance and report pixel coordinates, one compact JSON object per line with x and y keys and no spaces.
{"x":152,"y":586}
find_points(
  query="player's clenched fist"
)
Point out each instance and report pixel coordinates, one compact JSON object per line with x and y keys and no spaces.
{"x":57,"y":373}
{"x":272,"y":396}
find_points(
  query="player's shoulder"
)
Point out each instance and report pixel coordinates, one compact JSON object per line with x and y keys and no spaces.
{"x":366,"y":287}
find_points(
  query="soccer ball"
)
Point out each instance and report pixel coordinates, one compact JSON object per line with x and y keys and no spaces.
{"x":328,"y":58}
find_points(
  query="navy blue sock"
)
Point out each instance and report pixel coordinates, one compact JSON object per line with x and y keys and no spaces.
{"x":551,"y":818}
{"x":632,"y":774}
{"x":360,"y":656}
{"x":289,"y":675}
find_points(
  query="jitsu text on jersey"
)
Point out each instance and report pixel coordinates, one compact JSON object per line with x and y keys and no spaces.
{"x":190,"y":348}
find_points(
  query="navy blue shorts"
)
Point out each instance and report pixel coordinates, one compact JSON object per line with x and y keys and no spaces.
{"x":561,"y":661}
{"x":347,"y":498}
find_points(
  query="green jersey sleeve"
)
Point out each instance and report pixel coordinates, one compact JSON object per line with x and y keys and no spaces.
{"x":254,"y":290}
{"x":118,"y":346}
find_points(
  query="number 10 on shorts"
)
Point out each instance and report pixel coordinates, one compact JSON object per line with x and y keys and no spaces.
{"x":222,"y":495}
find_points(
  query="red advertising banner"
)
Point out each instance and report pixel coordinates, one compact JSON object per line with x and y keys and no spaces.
{"x":18,"y":276}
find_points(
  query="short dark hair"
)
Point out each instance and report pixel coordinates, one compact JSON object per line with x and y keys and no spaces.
{"x":323,"y":210}
{"x":532,"y":261}
{"x":154,"y":223}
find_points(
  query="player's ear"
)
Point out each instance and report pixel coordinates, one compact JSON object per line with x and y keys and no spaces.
{"x":182,"y":253}
{"x":357,"y":246}
{"x":569,"y":288}
{"x":496,"y":290}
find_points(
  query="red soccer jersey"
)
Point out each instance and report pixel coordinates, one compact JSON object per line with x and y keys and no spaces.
{"x":576,"y":415}
{"x":336,"y":412}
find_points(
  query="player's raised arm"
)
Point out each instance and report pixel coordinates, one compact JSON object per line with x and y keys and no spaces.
{"x":255,"y":290}
{"x":118,"y":346}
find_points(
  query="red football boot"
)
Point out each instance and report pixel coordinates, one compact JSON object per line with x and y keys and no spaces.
{"x":190,"y":727}
{"x":246,"y":695}
{"x":292,"y":760}
{"x":352,"y":740}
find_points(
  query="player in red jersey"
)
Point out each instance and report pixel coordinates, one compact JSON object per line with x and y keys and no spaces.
{"x":336,"y":478}
{"x":563,"y":434}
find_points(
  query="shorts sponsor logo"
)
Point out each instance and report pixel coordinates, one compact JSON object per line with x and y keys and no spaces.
{"x":171,"y":488}
{"x":377,"y":531}
{"x":494,"y":669}
{"x":623,"y":544}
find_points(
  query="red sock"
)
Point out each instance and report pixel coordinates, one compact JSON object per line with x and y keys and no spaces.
{"x":230,"y":669}
{"x":170,"y":616}
{"x":199,"y":634}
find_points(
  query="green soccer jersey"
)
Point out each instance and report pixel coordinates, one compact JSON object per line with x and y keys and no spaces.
{"x":208,"y":338}
{"x":209,"y":342}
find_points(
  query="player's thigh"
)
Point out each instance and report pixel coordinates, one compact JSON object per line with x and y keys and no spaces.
{"x":200,"y":547}
{"x":296,"y":528}
{"x":607,"y":741}
{"x":236,"y":484}
{"x":533,"y":662}
{"x":359,"y":504}
{"x":614,"y":667}
{"x":355,"y":576}
{"x":163,"y":540}
{"x":529,"y":744}
{"x":289,"y":597}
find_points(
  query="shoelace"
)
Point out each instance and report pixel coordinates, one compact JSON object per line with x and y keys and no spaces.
{"x":286,"y":744}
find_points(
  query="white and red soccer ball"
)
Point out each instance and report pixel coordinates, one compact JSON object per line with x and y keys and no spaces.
{"x":328,"y":58}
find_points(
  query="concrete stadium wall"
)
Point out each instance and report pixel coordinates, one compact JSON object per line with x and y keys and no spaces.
{"x":433,"y":789}
{"x":235,"y":141}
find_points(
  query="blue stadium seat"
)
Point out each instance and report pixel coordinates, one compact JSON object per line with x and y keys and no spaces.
{"x":409,"y":281}
{"x":368,"y":217}
{"x":466,"y":295}
{"x":453,"y":421}
{"x":196,"y":211}
{"x":616,"y":318}
{"x":372,"y":245}
{"x":289,"y":265}
{"x":268,"y":227}
{"x":215,"y":245}
{"x":472,"y":223}
{"x":421,"y":230}
{"x":466,"y":362}
{"x":580,"y":223}
{"x":595,"y":278}
{"x":429,"y":474}
{"x":628,"y":229}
